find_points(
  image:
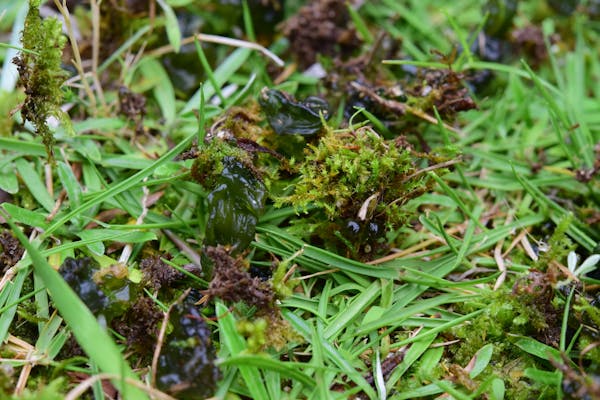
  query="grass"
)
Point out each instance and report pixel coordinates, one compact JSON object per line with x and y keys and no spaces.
{"x":479,"y":293}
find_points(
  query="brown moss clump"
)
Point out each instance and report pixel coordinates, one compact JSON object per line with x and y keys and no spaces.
{"x":10,"y":251}
{"x":157,"y":273}
{"x":233,"y":283}
{"x":321,"y":28}
{"x":140,"y":325}
{"x":443,"y":89}
{"x":536,"y":293}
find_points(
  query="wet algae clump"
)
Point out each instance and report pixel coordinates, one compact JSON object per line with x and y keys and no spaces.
{"x":290,"y":117}
{"x":234,"y":206}
{"x":107,"y":291}
{"x":186,"y":367}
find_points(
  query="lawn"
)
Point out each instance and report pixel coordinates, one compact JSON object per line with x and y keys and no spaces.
{"x":300,"y":200}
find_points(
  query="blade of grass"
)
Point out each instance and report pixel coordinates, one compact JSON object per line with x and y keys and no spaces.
{"x":326,"y":258}
{"x":288,"y":369}
{"x":124,"y":47}
{"x":171,"y":25}
{"x":412,"y":355}
{"x":318,"y":360}
{"x":330,"y":351}
{"x":119,"y":186}
{"x":360,"y":25}
{"x":35,"y":185}
{"x":208,"y":70}
{"x":355,"y":310}
{"x":162,"y":88}
{"x":9,"y":299}
{"x":575,"y":230}
{"x":222,"y":74}
{"x":236,"y":345}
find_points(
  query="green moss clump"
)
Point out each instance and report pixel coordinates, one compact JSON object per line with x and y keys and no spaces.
{"x":345,"y":170}
{"x":254,"y":332}
{"x":40,"y":72}
{"x":506,"y":312}
{"x":208,"y":165}
{"x":559,"y":244}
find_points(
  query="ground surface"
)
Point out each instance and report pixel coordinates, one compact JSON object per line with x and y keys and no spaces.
{"x":391,"y":199}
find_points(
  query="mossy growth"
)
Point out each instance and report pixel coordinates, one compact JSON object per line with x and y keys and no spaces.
{"x":254,"y":332}
{"x":506,"y":312}
{"x":358,"y":173}
{"x":208,"y":166}
{"x":559,"y":244}
{"x":40,"y":73}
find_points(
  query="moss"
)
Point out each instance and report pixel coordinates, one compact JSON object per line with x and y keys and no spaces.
{"x":344,"y":170}
{"x":254,"y":332}
{"x":208,"y":165}
{"x":504,"y":314}
{"x":559,"y":244}
{"x":40,"y":72}
{"x":282,"y":286}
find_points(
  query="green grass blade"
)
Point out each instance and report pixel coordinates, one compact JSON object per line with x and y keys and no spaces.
{"x":171,"y":25}
{"x":288,"y":369}
{"x":120,"y":186}
{"x":236,"y":345}
{"x":222,"y":74}
{"x":35,"y":185}
{"x":9,"y":301}
{"x":354,"y":311}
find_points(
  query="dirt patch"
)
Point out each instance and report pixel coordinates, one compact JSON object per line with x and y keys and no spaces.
{"x":133,"y":106}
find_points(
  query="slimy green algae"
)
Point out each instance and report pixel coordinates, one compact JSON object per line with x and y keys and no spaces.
{"x":105,"y":291}
{"x":40,"y":72}
{"x":234,"y":206}
{"x":237,"y":195}
{"x":186,"y":366}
